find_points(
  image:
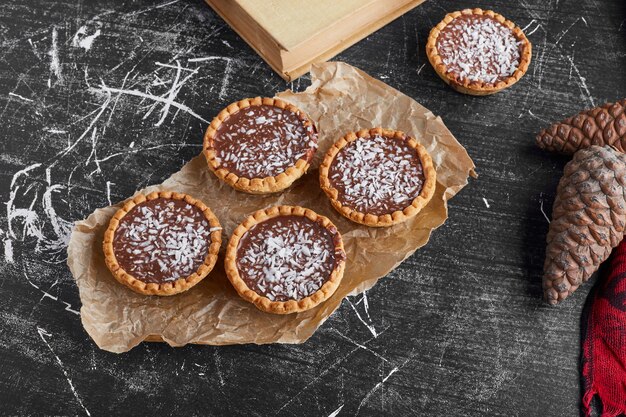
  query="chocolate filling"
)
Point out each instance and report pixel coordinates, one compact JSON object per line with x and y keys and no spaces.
{"x":377,"y":175}
{"x":162,"y":240}
{"x":479,"y":48}
{"x":263,"y":141}
{"x":287,"y":257}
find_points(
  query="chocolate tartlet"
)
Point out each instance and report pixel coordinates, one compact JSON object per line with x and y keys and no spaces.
{"x":285,"y":259}
{"x":260,"y":145}
{"x":478,"y":52}
{"x":162,"y":243}
{"x":378,"y":177}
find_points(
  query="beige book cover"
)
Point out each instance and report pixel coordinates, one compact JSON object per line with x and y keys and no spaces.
{"x":290,"y":35}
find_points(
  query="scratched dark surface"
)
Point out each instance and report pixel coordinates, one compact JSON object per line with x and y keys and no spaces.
{"x":458,"y":329}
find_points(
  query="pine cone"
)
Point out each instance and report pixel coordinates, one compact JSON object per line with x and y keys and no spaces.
{"x":605,"y":125}
{"x":588,"y":220}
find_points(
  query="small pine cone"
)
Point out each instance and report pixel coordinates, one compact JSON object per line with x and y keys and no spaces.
{"x":605,"y":125}
{"x":588,"y":220}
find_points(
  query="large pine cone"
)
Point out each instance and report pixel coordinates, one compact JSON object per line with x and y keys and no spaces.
{"x":588,"y":220}
{"x":605,"y":125}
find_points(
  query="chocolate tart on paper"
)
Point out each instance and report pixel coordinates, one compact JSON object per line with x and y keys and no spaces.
{"x":378,"y":177}
{"x":285,"y":259}
{"x":462,"y":50}
{"x":162,"y":243}
{"x":260,"y":145}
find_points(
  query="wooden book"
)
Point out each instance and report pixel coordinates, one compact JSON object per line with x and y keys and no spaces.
{"x":290,"y":35}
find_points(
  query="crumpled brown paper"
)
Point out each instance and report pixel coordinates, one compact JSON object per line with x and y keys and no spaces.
{"x":341,"y":98}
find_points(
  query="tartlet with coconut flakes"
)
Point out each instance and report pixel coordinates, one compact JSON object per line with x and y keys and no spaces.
{"x":260,"y":145}
{"x":162,"y":243}
{"x":378,"y":177}
{"x":285,"y":259}
{"x":478,"y":52}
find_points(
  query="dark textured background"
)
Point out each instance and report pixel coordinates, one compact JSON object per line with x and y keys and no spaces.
{"x":458,"y":329}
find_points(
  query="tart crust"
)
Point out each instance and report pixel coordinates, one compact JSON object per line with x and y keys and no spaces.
{"x":477,"y":88}
{"x":290,"y":306}
{"x":264,"y":185}
{"x":167,"y":288}
{"x":368,"y":219}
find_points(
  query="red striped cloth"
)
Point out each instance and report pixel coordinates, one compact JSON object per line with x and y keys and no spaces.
{"x":604,"y":341}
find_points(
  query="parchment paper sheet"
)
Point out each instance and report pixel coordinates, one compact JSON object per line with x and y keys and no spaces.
{"x":341,"y":98}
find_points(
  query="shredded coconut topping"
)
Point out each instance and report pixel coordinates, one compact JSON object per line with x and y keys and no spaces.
{"x":162,"y":240}
{"x":377,"y":175}
{"x":286,"y":258}
{"x":479,"y":48}
{"x":263,"y":141}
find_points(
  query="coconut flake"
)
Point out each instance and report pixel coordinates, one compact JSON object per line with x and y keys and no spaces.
{"x":286,"y":258}
{"x":168,"y":240}
{"x":262,"y":142}
{"x":377,"y":175}
{"x":479,"y":48}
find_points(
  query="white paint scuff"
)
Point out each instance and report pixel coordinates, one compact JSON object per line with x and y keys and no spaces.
{"x":382,"y":382}
{"x":228,"y":70}
{"x":56,"y":131}
{"x":226,"y":79}
{"x":542,"y":210}
{"x":534,"y":30}
{"x":537,"y":117}
{"x":20,"y":97}
{"x":25,"y":219}
{"x":167,"y":101}
{"x":109,"y":183}
{"x":583,"y":83}
{"x":566,"y":31}
{"x":53,"y":53}
{"x":376,"y":387}
{"x":82,"y":40}
{"x":8,"y":251}
{"x":46,"y":294}
{"x":43,"y":333}
{"x":336,"y":412}
{"x":528,"y":25}
{"x":218,"y":367}
{"x":158,"y":6}
{"x":362,"y":346}
{"x":208,"y":58}
{"x":369,"y":326}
